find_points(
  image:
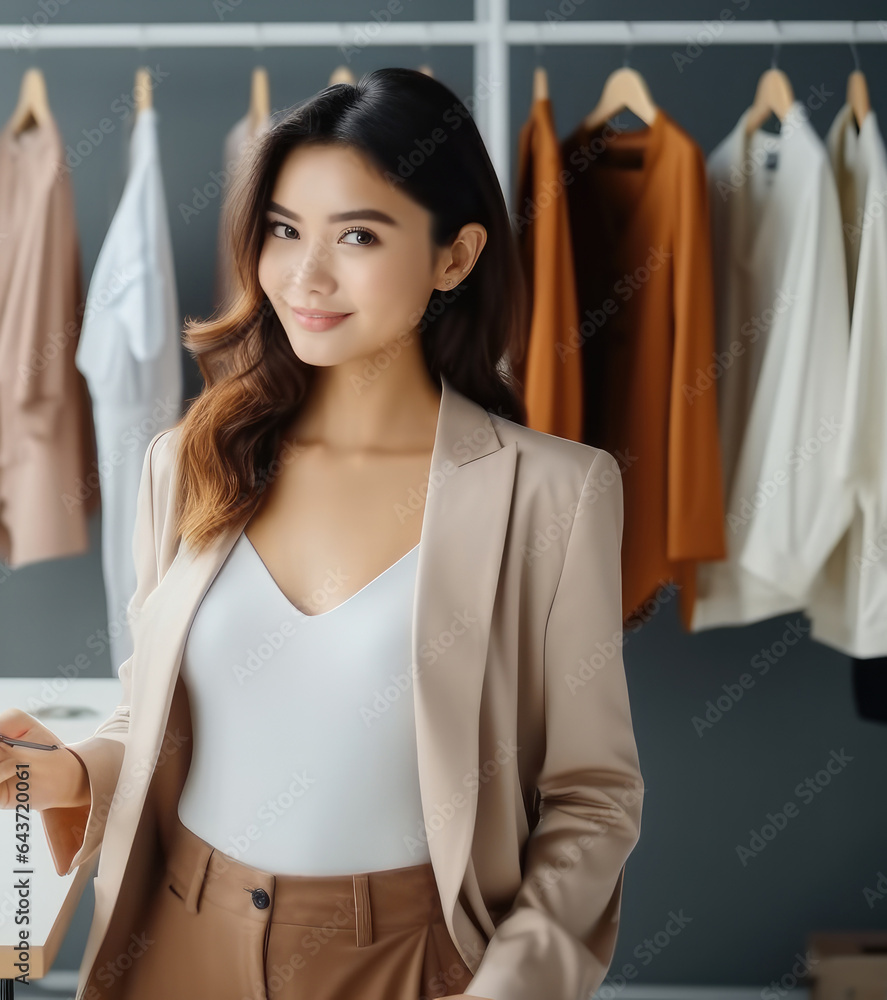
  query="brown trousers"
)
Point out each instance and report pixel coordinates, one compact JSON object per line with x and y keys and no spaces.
{"x":222,"y":929}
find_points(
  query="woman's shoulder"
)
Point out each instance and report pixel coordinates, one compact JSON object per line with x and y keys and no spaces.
{"x":561,"y":465}
{"x":554,"y":460}
{"x":158,"y":466}
{"x":161,"y":450}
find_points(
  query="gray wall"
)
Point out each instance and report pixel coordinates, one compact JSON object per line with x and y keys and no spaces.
{"x":705,"y":794}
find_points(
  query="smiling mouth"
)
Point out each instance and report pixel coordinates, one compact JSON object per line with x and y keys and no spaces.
{"x":318,"y":322}
{"x":317,"y":314}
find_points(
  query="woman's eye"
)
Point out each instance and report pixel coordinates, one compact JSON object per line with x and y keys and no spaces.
{"x":362,"y":235}
{"x":273,"y":224}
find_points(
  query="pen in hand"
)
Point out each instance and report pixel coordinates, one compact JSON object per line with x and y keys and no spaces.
{"x":27,"y":743}
{"x":56,"y":780}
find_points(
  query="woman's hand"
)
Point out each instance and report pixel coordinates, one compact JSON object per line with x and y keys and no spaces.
{"x":55,"y":777}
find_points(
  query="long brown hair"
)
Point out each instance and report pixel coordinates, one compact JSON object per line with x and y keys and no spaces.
{"x":420,"y":136}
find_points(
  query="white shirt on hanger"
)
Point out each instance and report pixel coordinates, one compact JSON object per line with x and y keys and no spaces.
{"x":848,"y":608}
{"x":130,"y":354}
{"x":783,"y":329}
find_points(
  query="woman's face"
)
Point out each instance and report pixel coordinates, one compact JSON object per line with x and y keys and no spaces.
{"x":341,"y":239}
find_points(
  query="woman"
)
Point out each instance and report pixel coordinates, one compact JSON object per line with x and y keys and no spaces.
{"x":376,"y":727}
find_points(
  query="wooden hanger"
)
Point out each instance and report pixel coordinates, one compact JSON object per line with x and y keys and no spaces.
{"x":625,"y":88}
{"x":33,"y":104}
{"x":774,"y":95}
{"x":857,"y":89}
{"x":858,"y":96}
{"x":341,"y":74}
{"x":259,"y":98}
{"x":143,"y":91}
{"x":540,"y":83}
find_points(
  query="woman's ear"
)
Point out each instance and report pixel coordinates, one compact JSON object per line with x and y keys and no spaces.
{"x":462,"y":254}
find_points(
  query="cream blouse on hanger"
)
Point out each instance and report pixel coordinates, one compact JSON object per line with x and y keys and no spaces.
{"x":848,"y":609}
{"x":783,"y":331}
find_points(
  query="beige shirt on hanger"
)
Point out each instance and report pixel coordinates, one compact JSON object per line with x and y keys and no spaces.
{"x":236,"y":143}
{"x":48,"y":470}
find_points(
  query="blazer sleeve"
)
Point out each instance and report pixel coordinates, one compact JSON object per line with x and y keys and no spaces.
{"x":558,"y":938}
{"x":74,"y":833}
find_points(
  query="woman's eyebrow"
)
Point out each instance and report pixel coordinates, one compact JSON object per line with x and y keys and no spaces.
{"x":358,"y":213}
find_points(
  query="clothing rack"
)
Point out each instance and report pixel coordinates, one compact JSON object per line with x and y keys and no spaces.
{"x":491,"y":33}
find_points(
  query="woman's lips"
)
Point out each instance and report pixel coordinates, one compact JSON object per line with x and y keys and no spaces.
{"x":318,"y":319}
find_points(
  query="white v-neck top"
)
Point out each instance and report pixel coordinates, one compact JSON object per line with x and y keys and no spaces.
{"x":304,"y":758}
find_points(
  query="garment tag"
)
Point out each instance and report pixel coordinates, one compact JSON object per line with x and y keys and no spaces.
{"x":772,"y":159}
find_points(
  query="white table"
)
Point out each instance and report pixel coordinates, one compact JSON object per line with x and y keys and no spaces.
{"x":72,"y":708}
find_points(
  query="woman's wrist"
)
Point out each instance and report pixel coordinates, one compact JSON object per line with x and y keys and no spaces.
{"x":81,"y":794}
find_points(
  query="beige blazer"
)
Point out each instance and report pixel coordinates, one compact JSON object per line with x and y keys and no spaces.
{"x":518,"y":685}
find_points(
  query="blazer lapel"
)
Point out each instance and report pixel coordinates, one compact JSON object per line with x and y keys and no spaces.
{"x":463,"y":536}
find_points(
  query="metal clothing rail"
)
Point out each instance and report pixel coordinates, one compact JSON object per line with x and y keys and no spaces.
{"x":379,"y":31}
{"x":490,"y":33}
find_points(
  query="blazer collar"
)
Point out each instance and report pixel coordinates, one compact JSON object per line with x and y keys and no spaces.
{"x":463,"y":538}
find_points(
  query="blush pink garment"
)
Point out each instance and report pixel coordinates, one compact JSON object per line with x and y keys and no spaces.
{"x":48,"y":469}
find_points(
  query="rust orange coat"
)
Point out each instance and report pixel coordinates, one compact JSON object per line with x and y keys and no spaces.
{"x":551,"y":368}
{"x":639,"y":223}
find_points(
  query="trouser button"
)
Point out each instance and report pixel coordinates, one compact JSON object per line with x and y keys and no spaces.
{"x":260,"y":898}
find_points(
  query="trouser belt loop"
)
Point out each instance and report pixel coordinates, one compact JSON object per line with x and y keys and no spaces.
{"x":364,"y":920}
